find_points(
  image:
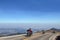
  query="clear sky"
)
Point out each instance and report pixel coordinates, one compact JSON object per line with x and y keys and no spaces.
{"x":29,"y":11}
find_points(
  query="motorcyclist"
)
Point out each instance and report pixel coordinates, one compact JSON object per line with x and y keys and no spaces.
{"x":29,"y":32}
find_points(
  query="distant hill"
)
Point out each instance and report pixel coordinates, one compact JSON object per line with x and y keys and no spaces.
{"x":55,"y":29}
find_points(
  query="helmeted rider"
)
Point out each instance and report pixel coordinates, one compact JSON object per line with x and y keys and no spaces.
{"x":29,"y":32}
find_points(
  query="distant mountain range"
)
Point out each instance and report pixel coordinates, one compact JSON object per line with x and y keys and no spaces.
{"x":55,"y":29}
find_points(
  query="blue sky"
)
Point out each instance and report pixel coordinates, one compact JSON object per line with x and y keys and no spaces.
{"x":29,"y":11}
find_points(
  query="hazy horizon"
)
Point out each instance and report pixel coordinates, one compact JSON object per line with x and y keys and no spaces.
{"x":29,"y":25}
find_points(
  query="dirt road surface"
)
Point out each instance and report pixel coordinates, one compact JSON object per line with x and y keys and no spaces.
{"x":36,"y":36}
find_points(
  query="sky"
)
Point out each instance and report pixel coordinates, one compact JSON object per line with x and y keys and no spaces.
{"x":29,"y":11}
